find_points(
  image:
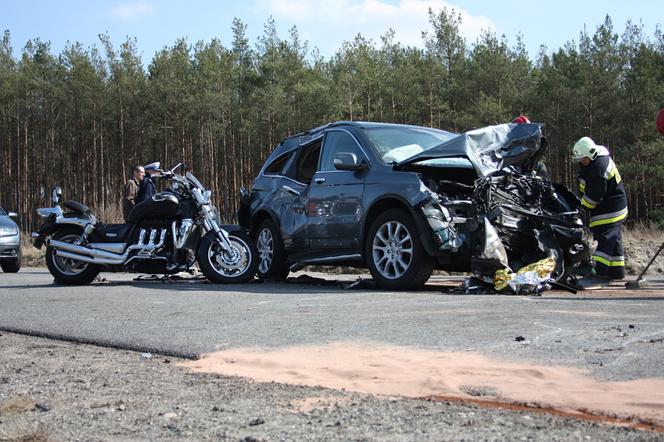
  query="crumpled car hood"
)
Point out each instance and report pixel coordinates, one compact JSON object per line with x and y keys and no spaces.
{"x":491,"y":148}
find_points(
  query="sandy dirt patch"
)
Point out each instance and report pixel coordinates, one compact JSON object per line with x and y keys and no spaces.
{"x":409,"y":372}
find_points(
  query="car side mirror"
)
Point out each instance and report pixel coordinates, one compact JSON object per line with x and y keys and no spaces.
{"x":14,"y":216}
{"x":348,"y":161}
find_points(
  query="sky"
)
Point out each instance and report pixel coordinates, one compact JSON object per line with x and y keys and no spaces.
{"x":324,"y":24}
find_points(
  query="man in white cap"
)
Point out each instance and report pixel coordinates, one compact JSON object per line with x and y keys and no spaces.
{"x":148,"y":188}
{"x":603,"y":194}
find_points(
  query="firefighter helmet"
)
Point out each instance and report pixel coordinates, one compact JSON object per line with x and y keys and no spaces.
{"x":585,"y":148}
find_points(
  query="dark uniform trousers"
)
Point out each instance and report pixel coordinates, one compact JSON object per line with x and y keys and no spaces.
{"x":603,"y":193}
{"x":609,"y":256}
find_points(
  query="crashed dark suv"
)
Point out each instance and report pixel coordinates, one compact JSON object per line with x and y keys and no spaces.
{"x":403,"y":200}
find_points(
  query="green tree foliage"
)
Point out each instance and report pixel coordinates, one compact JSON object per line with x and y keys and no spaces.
{"x":81,"y":119}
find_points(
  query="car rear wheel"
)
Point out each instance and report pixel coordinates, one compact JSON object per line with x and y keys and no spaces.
{"x":397,"y":260}
{"x":271,"y":252}
{"x":68,"y":271}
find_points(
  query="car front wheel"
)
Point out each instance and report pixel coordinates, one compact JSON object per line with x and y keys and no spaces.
{"x":397,"y":260}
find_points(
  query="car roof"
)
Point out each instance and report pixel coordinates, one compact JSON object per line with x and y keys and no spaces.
{"x":292,"y":142}
{"x":304,"y":137}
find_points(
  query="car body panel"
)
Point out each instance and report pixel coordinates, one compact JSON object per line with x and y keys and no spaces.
{"x":324,"y":216}
{"x":10,"y":243}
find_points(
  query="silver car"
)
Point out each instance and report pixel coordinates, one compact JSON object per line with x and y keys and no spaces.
{"x":10,"y":242}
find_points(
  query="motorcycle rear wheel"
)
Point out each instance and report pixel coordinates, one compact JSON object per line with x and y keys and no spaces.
{"x":238,"y":266}
{"x":67,"y":271}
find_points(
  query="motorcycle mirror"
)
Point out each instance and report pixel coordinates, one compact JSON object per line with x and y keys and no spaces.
{"x":175,"y":168}
{"x":56,"y":195}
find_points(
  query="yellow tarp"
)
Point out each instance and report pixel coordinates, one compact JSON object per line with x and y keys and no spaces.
{"x":543,"y":268}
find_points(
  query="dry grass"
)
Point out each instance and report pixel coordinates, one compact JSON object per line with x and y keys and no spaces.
{"x":643,"y":233}
{"x":32,"y":257}
{"x":641,"y":242}
{"x":109,"y":214}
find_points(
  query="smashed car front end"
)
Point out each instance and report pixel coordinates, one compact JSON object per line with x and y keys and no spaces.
{"x":488,"y":209}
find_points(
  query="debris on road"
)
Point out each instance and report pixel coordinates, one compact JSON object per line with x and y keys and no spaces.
{"x":533,"y":278}
{"x":257,"y":421}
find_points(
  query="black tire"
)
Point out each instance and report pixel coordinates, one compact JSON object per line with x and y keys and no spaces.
{"x":11,"y":265}
{"x":271,"y":253}
{"x":67,"y":271}
{"x":240,"y":269}
{"x":387,"y":264}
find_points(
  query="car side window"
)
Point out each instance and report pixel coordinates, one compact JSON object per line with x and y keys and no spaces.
{"x":308,"y":162}
{"x":277,"y":166}
{"x":338,"y":141}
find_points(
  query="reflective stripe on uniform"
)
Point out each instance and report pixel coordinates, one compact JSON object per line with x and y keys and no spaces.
{"x":610,"y":261}
{"x":587,"y":202}
{"x":607,"y":218}
{"x":582,"y":185}
{"x":612,"y":172}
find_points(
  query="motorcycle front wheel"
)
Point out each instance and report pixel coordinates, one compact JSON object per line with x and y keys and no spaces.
{"x":234,"y":266}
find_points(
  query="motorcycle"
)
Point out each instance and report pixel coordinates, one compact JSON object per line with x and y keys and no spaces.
{"x":166,"y":234}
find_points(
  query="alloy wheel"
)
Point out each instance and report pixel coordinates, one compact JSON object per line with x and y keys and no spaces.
{"x":233,"y":262}
{"x":265,"y":246}
{"x":392,"y":250}
{"x":68,"y":266}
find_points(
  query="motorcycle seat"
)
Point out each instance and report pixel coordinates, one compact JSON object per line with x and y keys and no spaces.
{"x":77,"y":207}
{"x":112,"y":232}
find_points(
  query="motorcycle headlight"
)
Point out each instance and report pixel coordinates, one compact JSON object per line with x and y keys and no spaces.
{"x":8,"y":230}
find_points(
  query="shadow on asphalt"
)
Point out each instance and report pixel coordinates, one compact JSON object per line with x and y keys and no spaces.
{"x":441,"y":285}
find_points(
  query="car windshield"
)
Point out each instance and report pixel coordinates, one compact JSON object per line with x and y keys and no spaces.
{"x":2,"y":212}
{"x":398,"y":143}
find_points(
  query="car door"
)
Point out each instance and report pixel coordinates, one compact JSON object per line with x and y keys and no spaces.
{"x":291,"y":197}
{"x":334,"y":203}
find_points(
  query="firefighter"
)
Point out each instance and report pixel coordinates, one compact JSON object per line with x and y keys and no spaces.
{"x":603,"y":195}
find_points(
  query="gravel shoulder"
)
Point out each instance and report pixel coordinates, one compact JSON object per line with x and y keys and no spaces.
{"x":52,"y":390}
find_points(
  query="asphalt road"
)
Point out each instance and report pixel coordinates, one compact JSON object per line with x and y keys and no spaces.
{"x":616,"y":334}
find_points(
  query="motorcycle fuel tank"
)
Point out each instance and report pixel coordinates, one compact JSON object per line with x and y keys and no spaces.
{"x":161,"y":205}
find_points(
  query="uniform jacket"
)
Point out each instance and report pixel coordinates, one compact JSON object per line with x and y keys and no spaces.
{"x":146,"y":189}
{"x":602,"y":192}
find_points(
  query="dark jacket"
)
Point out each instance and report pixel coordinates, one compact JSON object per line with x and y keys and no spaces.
{"x":602,"y":192}
{"x":146,"y":190}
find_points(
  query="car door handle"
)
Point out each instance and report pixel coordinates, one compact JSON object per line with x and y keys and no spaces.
{"x":290,"y":190}
{"x":319,"y":180}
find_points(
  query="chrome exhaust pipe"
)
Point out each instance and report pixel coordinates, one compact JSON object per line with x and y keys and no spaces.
{"x":96,"y":256}
{"x":86,"y":251}
{"x":88,"y":259}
